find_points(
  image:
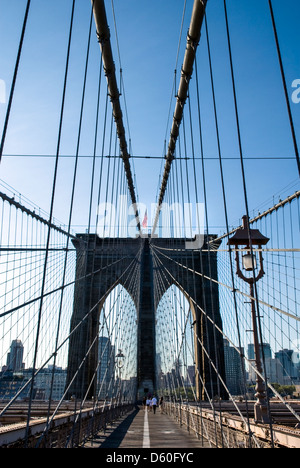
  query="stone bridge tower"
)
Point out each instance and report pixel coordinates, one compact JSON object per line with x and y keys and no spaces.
{"x":94,"y":256}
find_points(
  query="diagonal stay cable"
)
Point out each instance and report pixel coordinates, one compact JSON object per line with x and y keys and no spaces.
{"x":228,"y":339}
{"x":37,"y":371}
{"x":237,"y":290}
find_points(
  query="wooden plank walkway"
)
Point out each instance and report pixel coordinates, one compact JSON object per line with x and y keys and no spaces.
{"x":143,"y":430}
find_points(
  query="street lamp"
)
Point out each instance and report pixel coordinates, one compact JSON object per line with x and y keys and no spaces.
{"x":249,"y":238}
{"x":120,"y":364}
{"x":120,"y":359}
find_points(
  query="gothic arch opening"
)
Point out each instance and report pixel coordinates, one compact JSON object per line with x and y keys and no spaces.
{"x":177,"y":346}
{"x":117,"y":347}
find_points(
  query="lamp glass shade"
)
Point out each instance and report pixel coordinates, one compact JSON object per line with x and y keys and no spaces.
{"x":120,"y":359}
{"x":249,"y":262}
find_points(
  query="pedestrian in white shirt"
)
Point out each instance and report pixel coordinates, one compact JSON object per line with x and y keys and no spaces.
{"x":148,"y":401}
{"x":154,"y":404}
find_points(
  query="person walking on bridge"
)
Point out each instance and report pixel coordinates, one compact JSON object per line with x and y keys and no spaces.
{"x":154,"y":404}
{"x":144,"y":403}
{"x":161,"y":403}
{"x":148,"y":402}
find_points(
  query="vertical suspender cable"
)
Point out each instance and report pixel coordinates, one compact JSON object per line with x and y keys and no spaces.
{"x":71,"y":203}
{"x":226,"y":213}
{"x":285,"y":87}
{"x":186,"y":74}
{"x":245,"y":196}
{"x":103,"y":34}
{"x":14,"y":80}
{"x":50,"y":220}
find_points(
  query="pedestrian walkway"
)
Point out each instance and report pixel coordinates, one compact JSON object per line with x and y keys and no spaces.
{"x":141,"y":429}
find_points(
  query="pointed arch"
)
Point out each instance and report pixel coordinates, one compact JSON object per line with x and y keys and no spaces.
{"x":117,"y":333}
{"x":179,"y":338}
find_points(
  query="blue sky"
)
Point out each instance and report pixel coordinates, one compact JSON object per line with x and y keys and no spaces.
{"x":148,"y":35}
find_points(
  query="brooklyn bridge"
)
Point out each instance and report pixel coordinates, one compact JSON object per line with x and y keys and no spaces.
{"x":149,"y":239}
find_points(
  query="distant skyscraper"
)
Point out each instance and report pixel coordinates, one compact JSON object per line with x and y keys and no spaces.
{"x":267,"y":353}
{"x":15,"y":356}
{"x":190,"y":377}
{"x":106,"y":369}
{"x":234,"y":372}
{"x":290,"y":371}
{"x":266,"y":349}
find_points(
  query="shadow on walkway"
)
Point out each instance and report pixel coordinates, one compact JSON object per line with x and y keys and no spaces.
{"x":115,"y":439}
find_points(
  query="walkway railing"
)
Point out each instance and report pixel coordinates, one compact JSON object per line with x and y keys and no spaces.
{"x":223,"y":429}
{"x":67,"y":430}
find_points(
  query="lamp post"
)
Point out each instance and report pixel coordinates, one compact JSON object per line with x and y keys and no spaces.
{"x":249,"y":238}
{"x":120,"y":364}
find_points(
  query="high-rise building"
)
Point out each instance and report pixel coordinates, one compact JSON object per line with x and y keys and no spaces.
{"x":49,"y":383}
{"x":15,"y":356}
{"x":233,"y":368}
{"x":290,"y":371}
{"x":106,"y":368}
{"x":190,"y":376}
{"x":266,"y":350}
{"x":282,"y":369}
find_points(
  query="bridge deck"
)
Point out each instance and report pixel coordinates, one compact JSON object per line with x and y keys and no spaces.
{"x":142,"y":430}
